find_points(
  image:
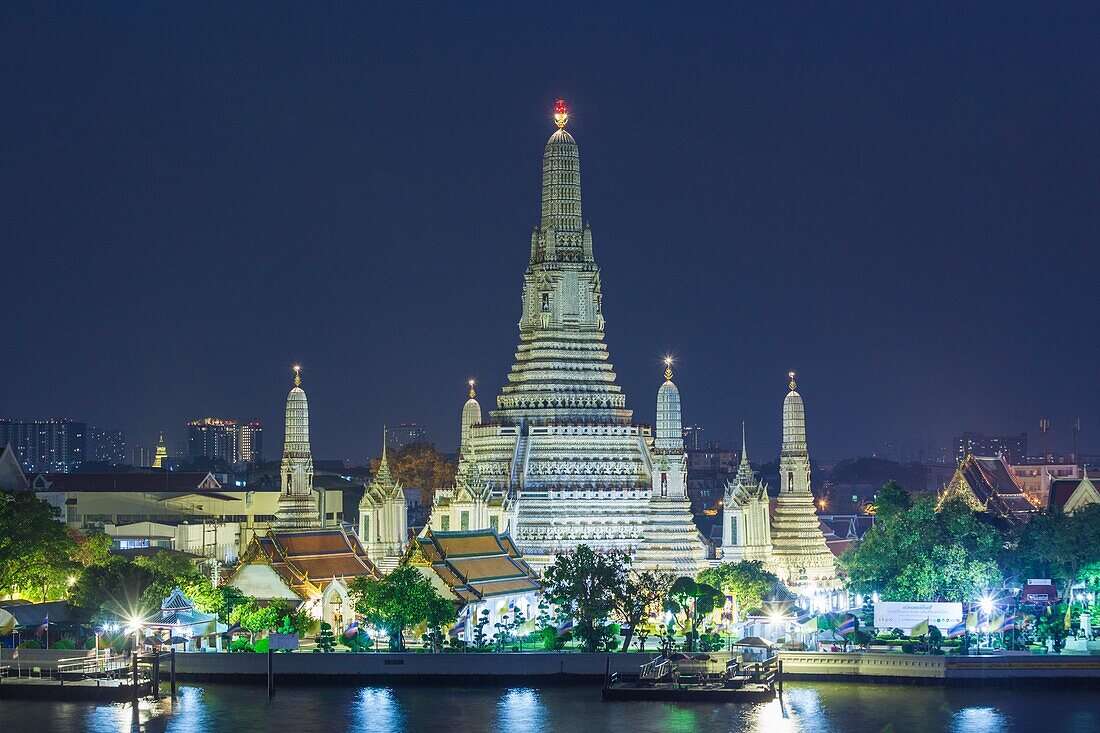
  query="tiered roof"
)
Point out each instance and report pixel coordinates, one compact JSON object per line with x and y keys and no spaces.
{"x":309,"y":560}
{"x":478,"y":564}
{"x":987,"y":484}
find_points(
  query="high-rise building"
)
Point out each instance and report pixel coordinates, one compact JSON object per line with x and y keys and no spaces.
{"x":693,"y":437}
{"x":107,"y":446}
{"x":250,"y":442}
{"x":212,"y":438}
{"x":161,"y":456}
{"x":407,"y":433}
{"x":56,"y":446}
{"x":1012,"y":447}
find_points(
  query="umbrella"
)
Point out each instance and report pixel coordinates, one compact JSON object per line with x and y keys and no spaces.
{"x":754,"y":641}
{"x":154,"y":640}
{"x":703,"y":658}
{"x":679,"y":657}
{"x":173,"y":640}
{"x":7,"y":622}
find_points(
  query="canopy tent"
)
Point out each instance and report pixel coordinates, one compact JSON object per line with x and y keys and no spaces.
{"x":754,"y":641}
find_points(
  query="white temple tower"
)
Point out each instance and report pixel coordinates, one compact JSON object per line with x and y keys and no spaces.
{"x":561,"y":441}
{"x":670,"y":539}
{"x":471,"y":415}
{"x":746,"y":525}
{"x":383,"y":517}
{"x":297,"y":507}
{"x":800,"y":556}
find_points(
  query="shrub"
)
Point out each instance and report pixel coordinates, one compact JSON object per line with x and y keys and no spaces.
{"x":241,"y":645}
{"x":261,"y":646}
{"x":65,"y":644}
{"x":89,"y":643}
{"x":907,"y":647}
{"x":29,"y":644}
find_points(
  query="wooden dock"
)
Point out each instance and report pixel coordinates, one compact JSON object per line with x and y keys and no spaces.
{"x":699,"y":678}
{"x":95,"y":679}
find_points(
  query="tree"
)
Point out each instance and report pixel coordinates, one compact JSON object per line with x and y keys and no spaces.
{"x":1059,"y":546}
{"x":399,"y":601}
{"x":584,"y":585}
{"x":113,"y":590}
{"x":916,"y":553}
{"x":419,"y":466}
{"x":326,"y":640}
{"x":277,"y":615}
{"x":643,"y":593}
{"x":746,"y":582}
{"x":35,"y":547}
{"x":891,"y":500}
{"x":693,"y":600}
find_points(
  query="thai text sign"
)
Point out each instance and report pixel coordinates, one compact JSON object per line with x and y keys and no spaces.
{"x":905,"y":615}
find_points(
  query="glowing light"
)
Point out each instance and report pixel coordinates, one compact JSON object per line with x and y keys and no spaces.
{"x":561,"y":114}
{"x":775,"y":617}
{"x":986,"y":603}
{"x":71,"y":579}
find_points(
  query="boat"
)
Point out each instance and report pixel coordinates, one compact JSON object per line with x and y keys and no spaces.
{"x":698,"y":677}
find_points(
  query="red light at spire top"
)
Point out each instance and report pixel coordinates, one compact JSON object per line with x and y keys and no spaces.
{"x":561,"y":114}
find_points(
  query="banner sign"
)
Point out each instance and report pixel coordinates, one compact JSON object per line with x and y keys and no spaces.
{"x":905,"y":615}
{"x":282,"y":641}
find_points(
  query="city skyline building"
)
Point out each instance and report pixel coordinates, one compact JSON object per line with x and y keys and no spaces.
{"x":55,"y":445}
{"x":406,"y":433}
{"x":213,"y":438}
{"x":106,"y":445}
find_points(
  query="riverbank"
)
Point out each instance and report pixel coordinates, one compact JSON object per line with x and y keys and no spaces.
{"x":543,"y":668}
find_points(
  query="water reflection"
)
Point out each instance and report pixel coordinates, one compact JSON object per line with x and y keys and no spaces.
{"x":376,"y":711}
{"x":806,"y":708}
{"x":978,"y":720}
{"x":521,"y":711}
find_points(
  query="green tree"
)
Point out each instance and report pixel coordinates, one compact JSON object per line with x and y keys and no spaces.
{"x":641,"y":594}
{"x":584,"y":585}
{"x":692,"y":601}
{"x":35,"y":547}
{"x":1060,"y":546}
{"x":399,"y":601}
{"x":113,"y":590}
{"x":916,"y":553}
{"x":277,"y":615}
{"x":326,"y":640}
{"x":746,"y":582}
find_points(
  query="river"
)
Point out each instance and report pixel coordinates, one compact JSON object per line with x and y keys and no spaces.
{"x":812,"y":707}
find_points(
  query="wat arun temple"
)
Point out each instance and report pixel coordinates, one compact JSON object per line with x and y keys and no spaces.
{"x":561,"y":461}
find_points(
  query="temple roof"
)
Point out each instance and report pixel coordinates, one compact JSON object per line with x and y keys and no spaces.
{"x":310,"y":558}
{"x":987,"y":484}
{"x":478,"y":563}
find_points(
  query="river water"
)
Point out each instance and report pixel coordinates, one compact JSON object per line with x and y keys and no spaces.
{"x":806,"y":706}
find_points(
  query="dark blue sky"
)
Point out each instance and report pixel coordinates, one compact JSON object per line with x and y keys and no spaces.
{"x":900,"y":203}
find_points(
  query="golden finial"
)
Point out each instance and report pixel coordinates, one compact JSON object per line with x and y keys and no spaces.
{"x":472,"y":393}
{"x":297,"y":375}
{"x":792,"y":384}
{"x":561,"y":114}
{"x":668,"y":367}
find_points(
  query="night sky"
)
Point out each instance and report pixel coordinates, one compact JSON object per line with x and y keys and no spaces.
{"x":899,"y":203}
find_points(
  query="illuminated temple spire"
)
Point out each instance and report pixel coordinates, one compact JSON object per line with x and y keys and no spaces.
{"x":801,"y":557}
{"x":297,"y":508}
{"x":471,"y":415}
{"x":161,"y":456}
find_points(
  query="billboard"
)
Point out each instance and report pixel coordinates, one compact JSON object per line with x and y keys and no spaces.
{"x":905,"y":615}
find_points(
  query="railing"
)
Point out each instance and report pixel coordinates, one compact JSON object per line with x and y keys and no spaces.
{"x":655,"y":669}
{"x":97,"y":666}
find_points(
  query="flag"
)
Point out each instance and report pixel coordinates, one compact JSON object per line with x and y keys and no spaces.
{"x":957,"y":630}
{"x":971,"y":621}
{"x":456,"y":630}
{"x":44,"y":626}
{"x":1008,"y":623}
{"x":565,"y":627}
{"x":983,"y":620}
{"x":997,"y":621}
{"x":848,"y":625}
{"x":232,"y":629}
{"x":920,"y":629}
{"x":352,"y":629}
